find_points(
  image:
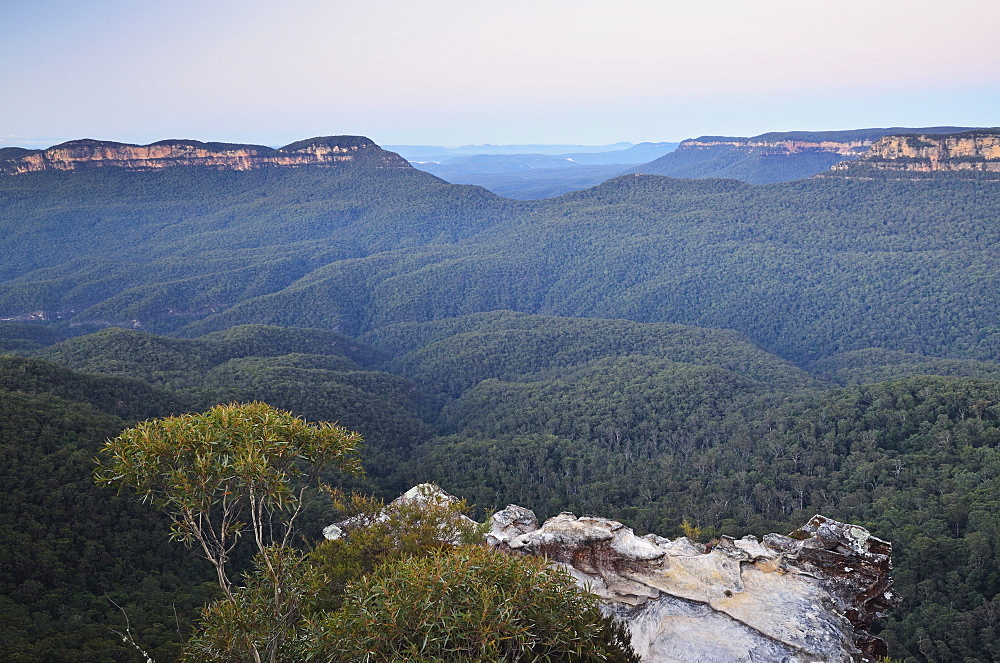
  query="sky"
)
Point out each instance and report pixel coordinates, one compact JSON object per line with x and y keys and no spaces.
{"x":450,"y":72}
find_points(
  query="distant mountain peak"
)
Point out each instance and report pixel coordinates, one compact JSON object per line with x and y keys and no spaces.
{"x":90,"y":153}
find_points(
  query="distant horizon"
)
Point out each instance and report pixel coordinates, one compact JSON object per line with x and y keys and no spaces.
{"x":454,"y":146}
{"x":448,"y":72}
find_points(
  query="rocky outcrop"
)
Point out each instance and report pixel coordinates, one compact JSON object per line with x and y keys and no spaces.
{"x":810,"y":596}
{"x":970,"y":151}
{"x":444,"y":511}
{"x":87,"y":153}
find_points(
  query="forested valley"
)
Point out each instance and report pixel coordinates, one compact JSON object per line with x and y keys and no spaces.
{"x":686,"y":356}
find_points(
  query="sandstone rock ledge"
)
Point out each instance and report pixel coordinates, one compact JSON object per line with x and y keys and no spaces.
{"x":807,"y":597}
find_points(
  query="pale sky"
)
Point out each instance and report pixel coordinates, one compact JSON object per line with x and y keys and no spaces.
{"x":450,"y":72}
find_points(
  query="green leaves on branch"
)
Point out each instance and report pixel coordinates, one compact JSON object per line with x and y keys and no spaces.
{"x":233,"y":467}
{"x":469,"y":604}
{"x":258,"y":619}
{"x":393,"y":590}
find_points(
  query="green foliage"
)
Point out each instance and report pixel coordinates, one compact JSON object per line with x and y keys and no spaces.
{"x":127,"y":398}
{"x":453,"y":355}
{"x":209,"y":471}
{"x":69,"y":547}
{"x":176,"y":362}
{"x":649,"y":423}
{"x":264,"y":618}
{"x":878,"y":365}
{"x":637,"y":417}
{"x":484,"y":605}
{"x":806,"y":269}
{"x":378,"y":534}
{"x":314,"y":373}
{"x":26,"y":337}
{"x":755,"y":165}
{"x":465,"y":604}
{"x":915,"y":461}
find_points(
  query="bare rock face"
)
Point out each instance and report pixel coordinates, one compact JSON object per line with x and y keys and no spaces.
{"x":975,"y":151}
{"x":86,"y":153}
{"x":773,"y":147}
{"x":807,"y":597}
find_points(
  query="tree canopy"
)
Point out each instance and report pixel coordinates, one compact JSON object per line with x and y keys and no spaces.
{"x":212,"y":472}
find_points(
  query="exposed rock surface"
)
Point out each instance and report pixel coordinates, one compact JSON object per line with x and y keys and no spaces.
{"x":810,"y":596}
{"x":451,"y":524}
{"x":87,"y":153}
{"x":970,"y":151}
{"x":778,"y":146}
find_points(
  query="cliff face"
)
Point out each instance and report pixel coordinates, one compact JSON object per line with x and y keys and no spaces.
{"x":777,"y":147}
{"x":977,"y":151}
{"x":758,"y":160}
{"x":80,"y":154}
{"x":802,"y":598}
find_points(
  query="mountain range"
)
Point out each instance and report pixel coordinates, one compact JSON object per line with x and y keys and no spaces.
{"x":770,"y":157}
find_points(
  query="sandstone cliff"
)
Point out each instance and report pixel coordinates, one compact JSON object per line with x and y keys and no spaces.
{"x":970,"y":151}
{"x":773,"y":146}
{"x":87,"y":153}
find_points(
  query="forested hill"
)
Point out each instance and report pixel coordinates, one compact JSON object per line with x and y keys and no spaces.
{"x":650,"y":423}
{"x":651,"y":349}
{"x":806,"y":269}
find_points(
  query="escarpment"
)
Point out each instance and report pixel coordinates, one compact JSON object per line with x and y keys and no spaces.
{"x":975,"y":151}
{"x":772,"y":157}
{"x":777,"y":146}
{"x":88,"y":153}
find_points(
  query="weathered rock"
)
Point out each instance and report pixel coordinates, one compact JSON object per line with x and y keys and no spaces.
{"x":976,"y":151}
{"x":807,"y":597}
{"x":509,"y":523}
{"x":776,"y":145}
{"x":450,"y":525}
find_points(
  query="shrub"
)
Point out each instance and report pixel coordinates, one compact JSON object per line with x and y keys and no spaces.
{"x":466,"y":604}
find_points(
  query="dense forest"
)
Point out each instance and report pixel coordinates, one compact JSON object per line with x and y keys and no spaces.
{"x":654,"y":350}
{"x":805,"y":269}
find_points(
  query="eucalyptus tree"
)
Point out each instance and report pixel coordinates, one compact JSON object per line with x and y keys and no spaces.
{"x":234,"y":469}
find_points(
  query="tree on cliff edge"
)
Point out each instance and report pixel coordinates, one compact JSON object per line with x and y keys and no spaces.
{"x":235,"y":468}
